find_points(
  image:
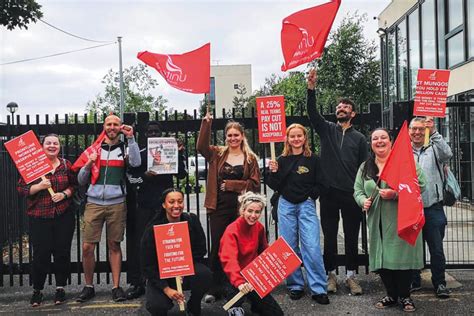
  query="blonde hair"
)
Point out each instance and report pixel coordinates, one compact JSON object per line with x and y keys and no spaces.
{"x":244,"y":146}
{"x":250,"y":197}
{"x":287,"y":148}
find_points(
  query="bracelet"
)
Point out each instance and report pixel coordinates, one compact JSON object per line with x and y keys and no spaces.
{"x":65,"y":195}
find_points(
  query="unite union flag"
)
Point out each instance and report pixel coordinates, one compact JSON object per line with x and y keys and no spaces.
{"x":188,"y":72}
{"x":305,"y":32}
{"x":400,"y":174}
{"x":84,"y":158}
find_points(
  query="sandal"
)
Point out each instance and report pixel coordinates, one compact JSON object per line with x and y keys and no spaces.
{"x":408,"y":305}
{"x":385,"y":302}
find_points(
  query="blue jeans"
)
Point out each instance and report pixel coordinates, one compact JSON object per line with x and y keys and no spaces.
{"x":299,"y":225}
{"x":433,"y":234}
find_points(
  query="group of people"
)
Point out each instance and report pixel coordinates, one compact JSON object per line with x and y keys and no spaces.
{"x":345,"y":178}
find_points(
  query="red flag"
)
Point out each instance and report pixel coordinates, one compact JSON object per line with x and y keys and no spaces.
{"x":84,"y":158}
{"x":189,"y":72}
{"x":304,"y":33}
{"x":400,"y":174}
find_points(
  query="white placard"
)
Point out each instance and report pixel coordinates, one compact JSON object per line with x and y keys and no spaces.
{"x":162,"y":155}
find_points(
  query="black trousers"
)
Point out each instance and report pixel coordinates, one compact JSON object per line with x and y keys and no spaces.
{"x":396,"y":282}
{"x":135,"y":227}
{"x":157,"y":303}
{"x":331,"y":202}
{"x":266,"y":306}
{"x":51,"y":237}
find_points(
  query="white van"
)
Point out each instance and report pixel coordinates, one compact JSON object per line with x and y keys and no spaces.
{"x":201,"y":161}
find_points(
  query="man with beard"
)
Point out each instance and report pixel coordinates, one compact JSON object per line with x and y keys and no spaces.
{"x":343,"y":149}
{"x":106,"y":196}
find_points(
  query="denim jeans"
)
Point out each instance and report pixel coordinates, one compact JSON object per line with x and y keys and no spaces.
{"x":299,"y":225}
{"x":433,"y":234}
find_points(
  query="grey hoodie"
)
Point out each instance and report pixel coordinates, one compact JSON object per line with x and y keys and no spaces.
{"x":425,"y":157}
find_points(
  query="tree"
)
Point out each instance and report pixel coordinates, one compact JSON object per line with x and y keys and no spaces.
{"x":349,"y":67}
{"x":138,"y":98}
{"x":19,"y":13}
{"x":240,"y":101}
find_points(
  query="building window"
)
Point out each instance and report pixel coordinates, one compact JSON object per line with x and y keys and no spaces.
{"x":402,"y":60}
{"x":454,"y":14}
{"x":455,"y":48}
{"x":414,"y":48}
{"x":392,"y":88}
{"x":428,"y":34}
{"x":470,"y":27}
{"x":212,"y":94}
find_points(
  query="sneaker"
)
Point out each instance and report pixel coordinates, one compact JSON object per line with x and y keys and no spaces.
{"x":442,"y":291}
{"x":118,"y":295}
{"x":236,"y":311}
{"x":332,"y":283}
{"x":36,"y":298}
{"x":59,"y":296}
{"x":415,"y":287}
{"x":209,"y":298}
{"x":296,"y":294}
{"x":353,"y":286}
{"x":322,"y":299}
{"x":134,"y":291}
{"x":86,"y":294}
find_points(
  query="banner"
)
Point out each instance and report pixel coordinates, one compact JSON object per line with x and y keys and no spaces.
{"x":304,"y":33}
{"x":29,"y":157}
{"x":84,"y":158}
{"x":271,"y":119}
{"x":188,"y":72}
{"x":173,"y":249}
{"x":162,"y":155}
{"x":431,"y":92}
{"x":271,"y":267}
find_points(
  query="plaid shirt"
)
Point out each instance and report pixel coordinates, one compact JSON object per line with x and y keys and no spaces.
{"x":40,"y":205}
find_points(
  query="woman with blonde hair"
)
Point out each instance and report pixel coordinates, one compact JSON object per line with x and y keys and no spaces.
{"x":296,"y":175}
{"x":232,"y":170}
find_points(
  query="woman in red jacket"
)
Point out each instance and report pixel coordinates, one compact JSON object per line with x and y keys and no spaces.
{"x":243,"y":241}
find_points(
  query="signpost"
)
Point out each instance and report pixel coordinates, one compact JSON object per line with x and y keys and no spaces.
{"x":29,"y":157}
{"x":173,"y":249}
{"x":271,"y":120}
{"x":269,"y":269}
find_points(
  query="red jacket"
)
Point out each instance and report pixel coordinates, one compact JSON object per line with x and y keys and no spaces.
{"x":240,"y":244}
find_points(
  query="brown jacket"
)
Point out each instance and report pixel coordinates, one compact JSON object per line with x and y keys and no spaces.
{"x":250,"y":180}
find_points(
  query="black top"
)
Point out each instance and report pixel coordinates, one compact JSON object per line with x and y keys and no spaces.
{"x":342,"y":152}
{"x":298,"y":178}
{"x":148,"y":258}
{"x":150,"y":188}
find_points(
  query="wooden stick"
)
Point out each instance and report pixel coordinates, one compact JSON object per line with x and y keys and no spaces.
{"x":272,"y":151}
{"x":234,"y":300}
{"x":179,"y":287}
{"x":372,"y":195}
{"x":50,"y":190}
{"x":427,"y":137}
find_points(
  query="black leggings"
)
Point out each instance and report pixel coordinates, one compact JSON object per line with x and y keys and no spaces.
{"x":51,"y":236}
{"x":396,"y":282}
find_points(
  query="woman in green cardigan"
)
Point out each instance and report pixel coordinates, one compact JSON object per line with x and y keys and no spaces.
{"x":389,"y":255}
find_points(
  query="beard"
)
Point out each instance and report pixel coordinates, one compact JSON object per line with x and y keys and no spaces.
{"x":343,"y":119}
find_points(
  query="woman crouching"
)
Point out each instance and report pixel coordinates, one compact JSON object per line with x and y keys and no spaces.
{"x":160,"y":293}
{"x":242,"y":242}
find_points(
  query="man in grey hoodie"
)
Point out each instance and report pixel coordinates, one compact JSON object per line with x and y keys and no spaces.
{"x":432,"y":158}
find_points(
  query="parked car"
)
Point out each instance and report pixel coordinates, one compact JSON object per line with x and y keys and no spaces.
{"x":261,"y":166}
{"x":201,"y":162}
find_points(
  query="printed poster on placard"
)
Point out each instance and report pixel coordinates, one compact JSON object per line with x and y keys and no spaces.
{"x":271,"y":119}
{"x":271,"y":267}
{"x":162,"y":155}
{"x":431,"y":92}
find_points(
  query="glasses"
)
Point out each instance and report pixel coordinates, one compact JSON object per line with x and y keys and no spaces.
{"x":420,"y":129}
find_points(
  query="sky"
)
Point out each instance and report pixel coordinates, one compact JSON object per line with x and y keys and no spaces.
{"x":240,"y":32}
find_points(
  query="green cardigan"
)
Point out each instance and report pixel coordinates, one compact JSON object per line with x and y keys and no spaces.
{"x":386,"y":249}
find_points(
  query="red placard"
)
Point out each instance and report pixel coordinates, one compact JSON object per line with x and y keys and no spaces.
{"x":29,"y":156}
{"x":173,"y":249}
{"x":431,"y":92}
{"x":271,"y":267}
{"x":271,"y":119}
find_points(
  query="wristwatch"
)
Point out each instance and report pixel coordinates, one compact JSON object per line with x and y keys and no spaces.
{"x":65,"y":195}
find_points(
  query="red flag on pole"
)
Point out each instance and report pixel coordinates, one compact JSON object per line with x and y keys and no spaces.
{"x":189,"y":72}
{"x":400,"y":174}
{"x":304,"y":33}
{"x":84,"y":158}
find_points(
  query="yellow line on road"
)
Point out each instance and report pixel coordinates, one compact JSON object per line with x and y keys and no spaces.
{"x":107,"y":306}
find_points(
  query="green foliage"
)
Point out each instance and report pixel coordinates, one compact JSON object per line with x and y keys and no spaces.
{"x":241,"y":101}
{"x":349,"y":67}
{"x":138,"y":98}
{"x":19,"y":13}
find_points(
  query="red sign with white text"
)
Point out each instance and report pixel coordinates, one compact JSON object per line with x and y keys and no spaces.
{"x":431,"y":93}
{"x":29,"y":156}
{"x":271,"y":119}
{"x":173,"y":249}
{"x":271,"y":267}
